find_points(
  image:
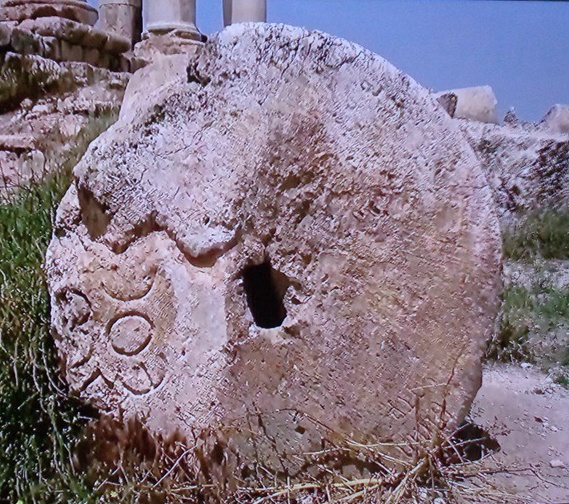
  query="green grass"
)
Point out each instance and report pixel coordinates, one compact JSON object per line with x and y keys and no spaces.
{"x":52,"y":449}
{"x":38,"y":420}
{"x":563,"y":381}
{"x":523,"y":309}
{"x":543,"y":234}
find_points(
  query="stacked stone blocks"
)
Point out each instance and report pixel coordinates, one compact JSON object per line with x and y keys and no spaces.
{"x":63,"y":40}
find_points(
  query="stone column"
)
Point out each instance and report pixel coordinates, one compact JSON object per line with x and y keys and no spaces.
{"x":163,"y":16}
{"x":122,"y":17}
{"x":243,"y":11}
{"x":76,"y":10}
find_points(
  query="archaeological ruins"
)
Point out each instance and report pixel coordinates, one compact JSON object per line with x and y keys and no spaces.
{"x":273,"y":235}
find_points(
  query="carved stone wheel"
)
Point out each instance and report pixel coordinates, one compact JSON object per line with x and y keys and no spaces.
{"x":291,"y":247}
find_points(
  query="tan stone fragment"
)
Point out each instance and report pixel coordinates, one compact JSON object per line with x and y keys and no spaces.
{"x":122,"y":17}
{"x":5,"y":34}
{"x":65,"y":29}
{"x":474,"y":103}
{"x":557,"y":119}
{"x":291,"y":246}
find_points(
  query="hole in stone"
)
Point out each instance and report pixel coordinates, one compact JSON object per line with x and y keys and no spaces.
{"x":265,"y":289}
{"x":300,"y":429}
{"x":470,"y":443}
{"x":96,"y":217}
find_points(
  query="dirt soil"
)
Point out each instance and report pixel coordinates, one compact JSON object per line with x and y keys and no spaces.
{"x":528,"y":415}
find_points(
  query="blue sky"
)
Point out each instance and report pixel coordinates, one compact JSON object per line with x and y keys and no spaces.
{"x":520,"y":48}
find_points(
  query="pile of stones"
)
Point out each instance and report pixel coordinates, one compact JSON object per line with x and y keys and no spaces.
{"x":62,"y":31}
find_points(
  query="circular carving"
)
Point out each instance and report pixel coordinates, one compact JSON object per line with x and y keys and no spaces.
{"x":130,"y":334}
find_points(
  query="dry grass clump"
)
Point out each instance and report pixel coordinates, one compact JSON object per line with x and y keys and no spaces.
{"x":123,"y":462}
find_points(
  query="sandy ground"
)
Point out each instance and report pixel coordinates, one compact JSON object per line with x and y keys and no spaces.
{"x":529,"y":416}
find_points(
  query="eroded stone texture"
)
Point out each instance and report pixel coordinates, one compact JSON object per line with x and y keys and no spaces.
{"x":557,"y":119}
{"x":527,"y":166}
{"x":473,"y":103}
{"x":49,"y":113}
{"x":123,"y":17}
{"x":292,"y":247}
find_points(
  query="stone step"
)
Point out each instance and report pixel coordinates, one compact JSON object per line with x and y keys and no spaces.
{"x":17,"y":143}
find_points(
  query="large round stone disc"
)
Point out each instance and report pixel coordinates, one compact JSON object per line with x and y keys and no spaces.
{"x":294,"y":244}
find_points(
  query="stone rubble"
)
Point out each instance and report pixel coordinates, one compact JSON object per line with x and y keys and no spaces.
{"x":526,"y":165}
{"x":50,"y":113}
{"x":63,"y":40}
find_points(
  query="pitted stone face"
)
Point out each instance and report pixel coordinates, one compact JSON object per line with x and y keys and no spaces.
{"x":295,"y":244}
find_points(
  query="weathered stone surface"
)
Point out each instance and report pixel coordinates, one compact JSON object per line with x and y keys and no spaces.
{"x":144,"y":85}
{"x":51,"y":48}
{"x":173,"y":42}
{"x":65,"y":29}
{"x":294,"y":246}
{"x":5,"y":34}
{"x":117,"y":44}
{"x":25,"y":42}
{"x":526,"y":165}
{"x":557,"y":119}
{"x":49,"y":113}
{"x":70,"y":52}
{"x":448,"y":101}
{"x":20,"y":10}
{"x":474,"y":103}
{"x":122,"y":17}
{"x":29,"y":76}
{"x":244,"y":11}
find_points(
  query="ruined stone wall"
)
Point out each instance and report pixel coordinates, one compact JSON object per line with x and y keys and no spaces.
{"x":64,"y":40}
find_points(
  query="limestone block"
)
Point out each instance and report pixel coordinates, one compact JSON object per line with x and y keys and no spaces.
{"x":475,"y":103}
{"x":527,"y":166}
{"x":114,"y":63}
{"x":448,"y":101}
{"x":244,"y":11}
{"x":52,"y":48}
{"x":173,"y":42}
{"x":293,"y":244}
{"x":17,"y":143}
{"x":104,"y":60}
{"x":122,"y":17}
{"x":71,"y":52}
{"x":28,"y":76}
{"x":557,"y":119}
{"x":33,"y":166}
{"x":92,"y":56}
{"x":64,"y":29}
{"x":76,"y":10}
{"x":25,"y":42}
{"x":5,"y":34}
{"x":141,"y":88}
{"x":117,"y":44}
